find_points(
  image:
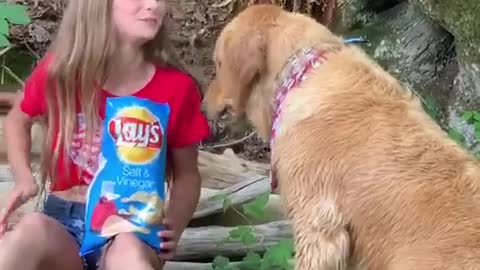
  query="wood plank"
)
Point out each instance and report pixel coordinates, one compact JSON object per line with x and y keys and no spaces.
{"x":204,"y":242}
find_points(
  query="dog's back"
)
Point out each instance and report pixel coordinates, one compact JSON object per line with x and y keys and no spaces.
{"x":411,"y":194}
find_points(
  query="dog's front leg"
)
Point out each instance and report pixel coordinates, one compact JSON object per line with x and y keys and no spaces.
{"x":321,"y":239}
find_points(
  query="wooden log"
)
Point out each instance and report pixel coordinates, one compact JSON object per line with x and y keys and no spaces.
{"x":187,"y":266}
{"x":206,"y":242}
{"x":224,"y":170}
{"x":273,"y":211}
{"x":238,"y":193}
{"x":37,"y":140}
{"x":196,"y":243}
{"x":208,"y":205}
{"x":173,"y":265}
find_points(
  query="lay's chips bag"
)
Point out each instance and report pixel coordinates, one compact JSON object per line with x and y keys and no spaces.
{"x":127,"y":192}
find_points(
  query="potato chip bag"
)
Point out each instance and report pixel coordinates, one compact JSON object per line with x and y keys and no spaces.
{"x":127,"y":193}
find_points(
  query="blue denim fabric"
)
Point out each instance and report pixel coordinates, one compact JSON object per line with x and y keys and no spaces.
{"x":71,"y":215}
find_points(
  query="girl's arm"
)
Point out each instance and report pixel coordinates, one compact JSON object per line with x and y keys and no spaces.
{"x":185,"y":191}
{"x":17,"y":130}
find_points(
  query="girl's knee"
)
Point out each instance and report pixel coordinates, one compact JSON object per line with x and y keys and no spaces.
{"x":127,"y":250}
{"x":31,"y":233}
{"x":33,"y":226}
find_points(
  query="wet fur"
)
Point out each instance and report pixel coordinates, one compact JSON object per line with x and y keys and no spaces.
{"x":368,"y":180}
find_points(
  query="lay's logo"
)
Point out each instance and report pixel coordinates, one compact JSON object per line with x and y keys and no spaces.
{"x":137,"y":133}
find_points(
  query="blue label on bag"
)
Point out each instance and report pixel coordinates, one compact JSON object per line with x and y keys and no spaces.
{"x":127,"y":193}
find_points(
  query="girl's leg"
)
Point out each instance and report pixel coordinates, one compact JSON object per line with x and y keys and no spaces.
{"x":39,"y":242}
{"x":127,"y":252}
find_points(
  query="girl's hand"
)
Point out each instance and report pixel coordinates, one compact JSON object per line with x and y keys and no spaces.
{"x":21,"y":193}
{"x":168,"y":245}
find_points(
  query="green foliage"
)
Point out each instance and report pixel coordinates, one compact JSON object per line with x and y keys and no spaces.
{"x":256,"y":208}
{"x":277,"y":256}
{"x":472,"y":118}
{"x":430,"y":105}
{"x":457,"y":136}
{"x":244,"y":234}
{"x":11,"y":14}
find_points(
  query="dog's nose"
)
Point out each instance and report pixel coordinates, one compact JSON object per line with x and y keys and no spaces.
{"x":225,"y":113}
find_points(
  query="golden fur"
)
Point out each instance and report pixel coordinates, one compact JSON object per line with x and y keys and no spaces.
{"x":368,"y":179}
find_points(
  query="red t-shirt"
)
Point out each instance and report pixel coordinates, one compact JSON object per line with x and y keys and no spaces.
{"x":187,"y":125}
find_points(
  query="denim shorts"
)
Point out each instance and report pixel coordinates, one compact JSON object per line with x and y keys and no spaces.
{"x":72,"y":215}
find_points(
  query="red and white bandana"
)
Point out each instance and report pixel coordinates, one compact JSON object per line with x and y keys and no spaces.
{"x":294,"y":72}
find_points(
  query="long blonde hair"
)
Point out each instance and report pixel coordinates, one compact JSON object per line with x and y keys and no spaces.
{"x":84,"y":43}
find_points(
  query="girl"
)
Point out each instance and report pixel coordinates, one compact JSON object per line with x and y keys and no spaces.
{"x":103,"y":49}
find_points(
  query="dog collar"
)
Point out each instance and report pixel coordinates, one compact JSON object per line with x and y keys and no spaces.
{"x":294,"y":72}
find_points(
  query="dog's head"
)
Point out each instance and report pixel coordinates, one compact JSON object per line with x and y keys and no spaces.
{"x":239,"y":56}
{"x":249,"y":53}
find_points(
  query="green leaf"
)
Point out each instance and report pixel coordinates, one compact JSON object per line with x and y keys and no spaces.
{"x":467,"y":116}
{"x":220,"y":263}
{"x":236,"y":233}
{"x":244,"y":234}
{"x":256,"y":208}
{"x":456,"y":136}
{"x":431,"y":107}
{"x":15,"y":14}
{"x":248,"y":239}
{"x":4,"y":28}
{"x":278,"y":255}
{"x":477,"y":134}
{"x":4,"y":42}
{"x":476,"y":116}
{"x":252,"y":260}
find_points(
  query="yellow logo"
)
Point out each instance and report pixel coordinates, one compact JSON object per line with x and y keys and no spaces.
{"x":137,"y":133}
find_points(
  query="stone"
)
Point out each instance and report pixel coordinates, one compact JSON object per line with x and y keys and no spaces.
{"x":415,"y":50}
{"x":461,"y":18}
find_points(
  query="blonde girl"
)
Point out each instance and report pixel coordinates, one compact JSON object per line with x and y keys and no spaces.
{"x":103,"y":48}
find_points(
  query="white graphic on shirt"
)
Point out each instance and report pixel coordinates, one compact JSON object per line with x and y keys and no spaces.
{"x":86,"y":161}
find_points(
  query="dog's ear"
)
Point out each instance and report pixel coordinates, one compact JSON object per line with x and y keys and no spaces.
{"x":246,"y":54}
{"x":244,"y":57}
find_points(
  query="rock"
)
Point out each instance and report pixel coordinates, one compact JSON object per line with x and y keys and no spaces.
{"x":415,"y":50}
{"x":460,"y":18}
{"x":352,"y":14}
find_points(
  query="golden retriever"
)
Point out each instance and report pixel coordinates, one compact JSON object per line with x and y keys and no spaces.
{"x":367,"y":178}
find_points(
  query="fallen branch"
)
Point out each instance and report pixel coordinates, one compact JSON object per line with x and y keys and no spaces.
{"x":199,"y":266}
{"x":238,"y":193}
{"x":208,"y":204}
{"x":208,"y":242}
{"x":187,"y":266}
{"x":191,"y":266}
{"x":225,"y":170}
